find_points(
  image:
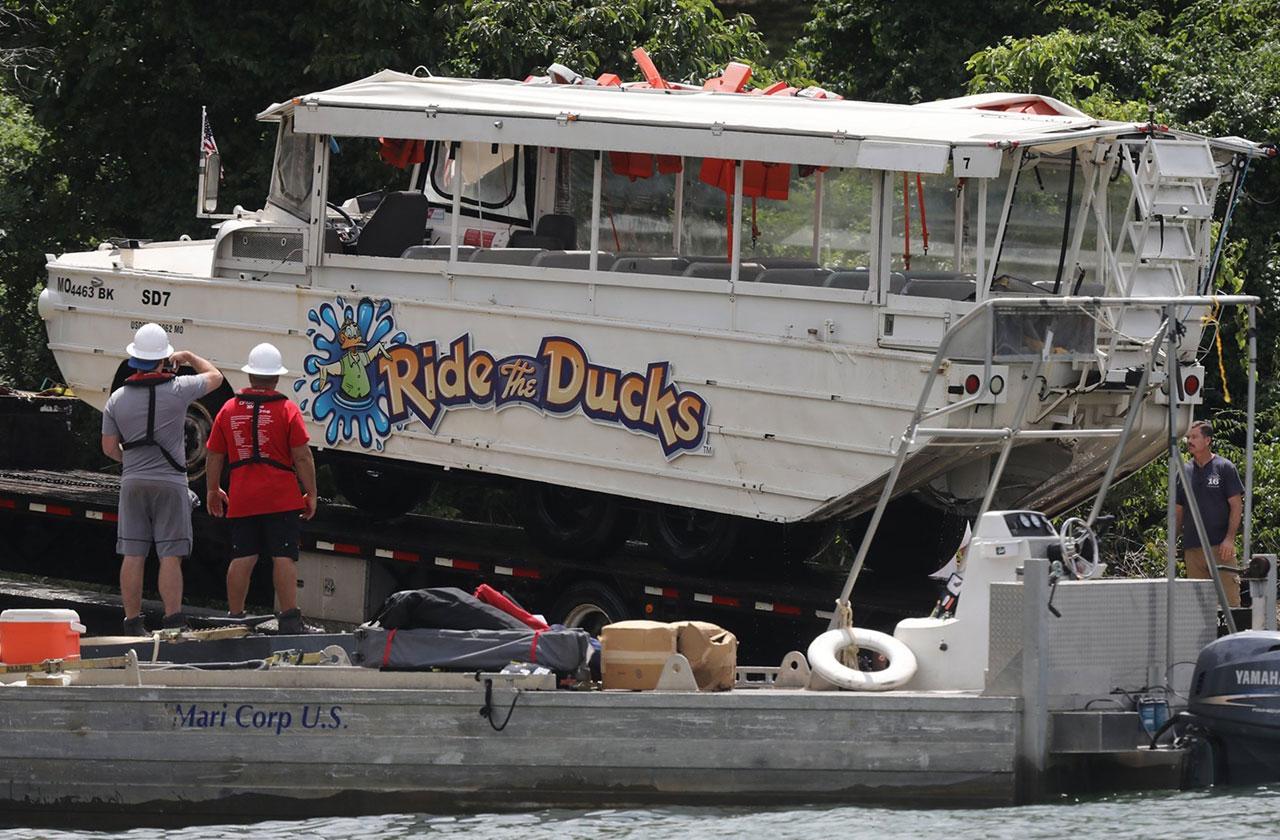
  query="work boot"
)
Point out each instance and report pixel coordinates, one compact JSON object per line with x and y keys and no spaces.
{"x":177,"y":621}
{"x":136,"y":626}
{"x":289,"y":623}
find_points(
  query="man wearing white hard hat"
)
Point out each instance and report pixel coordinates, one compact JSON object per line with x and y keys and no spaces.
{"x":261,"y":437}
{"x":144,"y":427}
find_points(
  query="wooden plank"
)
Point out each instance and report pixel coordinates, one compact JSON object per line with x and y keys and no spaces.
{"x":638,"y":751}
{"x":461,"y":717}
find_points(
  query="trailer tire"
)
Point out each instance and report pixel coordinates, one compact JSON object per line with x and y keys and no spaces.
{"x":574,"y":524}
{"x":382,"y":492}
{"x":773,"y":545}
{"x":695,"y":539}
{"x":589,"y":605}
{"x":195,"y":433}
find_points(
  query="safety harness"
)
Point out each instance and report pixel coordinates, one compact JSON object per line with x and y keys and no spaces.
{"x":258,"y":400}
{"x":151,"y":381}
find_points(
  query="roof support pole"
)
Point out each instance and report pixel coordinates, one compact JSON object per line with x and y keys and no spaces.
{"x":597,"y":177}
{"x":455,"y":223}
{"x":881,"y":233}
{"x":958,"y":236}
{"x":735,"y":227}
{"x":989,"y":275}
{"x":319,"y":196}
{"x":817,"y":217}
{"x":981,"y":238}
{"x":1082,"y":218}
{"x":677,"y":216}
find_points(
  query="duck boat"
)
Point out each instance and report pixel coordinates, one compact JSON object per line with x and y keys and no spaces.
{"x":713,"y":306}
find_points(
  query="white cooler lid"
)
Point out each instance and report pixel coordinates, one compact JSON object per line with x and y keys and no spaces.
{"x":40,"y":616}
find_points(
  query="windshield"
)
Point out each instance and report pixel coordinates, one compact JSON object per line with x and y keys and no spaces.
{"x":293,"y":171}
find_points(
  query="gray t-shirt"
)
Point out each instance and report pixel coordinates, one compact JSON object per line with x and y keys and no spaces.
{"x":1214,"y":484}
{"x":126,"y":415}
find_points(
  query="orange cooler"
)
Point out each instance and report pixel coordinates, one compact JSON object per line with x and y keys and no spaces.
{"x":28,"y":636}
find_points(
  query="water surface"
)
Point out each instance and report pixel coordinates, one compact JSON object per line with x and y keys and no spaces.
{"x":1205,"y":815}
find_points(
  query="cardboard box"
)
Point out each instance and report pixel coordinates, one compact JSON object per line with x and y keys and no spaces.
{"x":633,"y":653}
{"x":712,"y":652}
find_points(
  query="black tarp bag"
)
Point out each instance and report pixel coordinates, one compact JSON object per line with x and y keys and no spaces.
{"x":442,"y":608}
{"x":563,"y":651}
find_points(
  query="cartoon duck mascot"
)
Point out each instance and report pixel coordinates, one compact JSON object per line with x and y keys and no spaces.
{"x":353,"y":367}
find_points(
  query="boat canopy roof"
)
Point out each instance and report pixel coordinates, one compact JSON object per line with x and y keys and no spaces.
{"x":785,"y":129}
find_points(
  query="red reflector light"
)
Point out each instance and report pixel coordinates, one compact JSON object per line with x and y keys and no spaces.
{"x":972,"y":383}
{"x":1191,"y":385}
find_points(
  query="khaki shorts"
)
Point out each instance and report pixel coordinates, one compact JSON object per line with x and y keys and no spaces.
{"x":1198,"y":568}
{"x":154,"y":513}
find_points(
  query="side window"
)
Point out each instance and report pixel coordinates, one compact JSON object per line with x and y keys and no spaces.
{"x":292,"y":173}
{"x":492,"y":179}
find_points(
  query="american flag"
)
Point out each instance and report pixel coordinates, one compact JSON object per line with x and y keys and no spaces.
{"x":208,"y":146}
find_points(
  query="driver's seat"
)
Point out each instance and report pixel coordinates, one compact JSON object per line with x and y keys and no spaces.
{"x":399,"y":222}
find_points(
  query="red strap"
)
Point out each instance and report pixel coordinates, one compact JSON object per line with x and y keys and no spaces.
{"x":533,"y":648}
{"x":386,"y":652}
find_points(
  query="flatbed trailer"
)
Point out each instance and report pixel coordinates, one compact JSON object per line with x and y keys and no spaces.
{"x":62,"y":524}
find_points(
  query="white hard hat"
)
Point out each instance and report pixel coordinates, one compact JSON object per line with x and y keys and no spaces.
{"x":150,"y":343}
{"x":265,"y":360}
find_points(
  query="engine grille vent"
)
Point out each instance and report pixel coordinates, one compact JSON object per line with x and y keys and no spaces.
{"x":266,"y":245}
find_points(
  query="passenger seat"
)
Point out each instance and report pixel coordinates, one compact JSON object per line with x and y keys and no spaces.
{"x":399,"y":222}
{"x":554,"y":232}
{"x":574,"y":259}
{"x":650,"y":265}
{"x":437,"y":252}
{"x":506,"y":256}
{"x":723,"y":271}
{"x":795,"y":276}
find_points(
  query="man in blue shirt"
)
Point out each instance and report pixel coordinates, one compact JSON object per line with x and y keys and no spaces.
{"x":1219,"y":496}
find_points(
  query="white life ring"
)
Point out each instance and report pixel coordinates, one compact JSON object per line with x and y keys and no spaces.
{"x":824,"y":659}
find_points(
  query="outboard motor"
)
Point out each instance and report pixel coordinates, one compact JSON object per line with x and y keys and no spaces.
{"x":1234,"y":709}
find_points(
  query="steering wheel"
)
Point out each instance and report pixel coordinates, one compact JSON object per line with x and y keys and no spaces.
{"x":352,"y":231}
{"x":1075,"y":532}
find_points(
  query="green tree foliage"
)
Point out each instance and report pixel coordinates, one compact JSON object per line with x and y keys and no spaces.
{"x":910,"y":50}
{"x":1212,"y":66}
{"x":687,"y":39}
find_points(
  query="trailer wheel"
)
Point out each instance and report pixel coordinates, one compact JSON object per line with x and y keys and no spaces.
{"x":774,"y":545}
{"x":576,"y":524}
{"x":589,"y":606}
{"x":383,"y":492}
{"x":694,"y":539}
{"x":914,"y":539}
{"x":195,"y":432}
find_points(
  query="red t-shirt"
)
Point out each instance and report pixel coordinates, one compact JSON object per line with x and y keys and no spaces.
{"x":258,"y":488}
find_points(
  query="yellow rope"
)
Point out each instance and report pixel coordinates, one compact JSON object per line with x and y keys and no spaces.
{"x":1212,"y":318}
{"x":844,"y":621}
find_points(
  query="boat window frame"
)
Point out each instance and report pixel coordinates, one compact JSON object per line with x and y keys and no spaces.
{"x":302,"y":210}
{"x":430,"y":184}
